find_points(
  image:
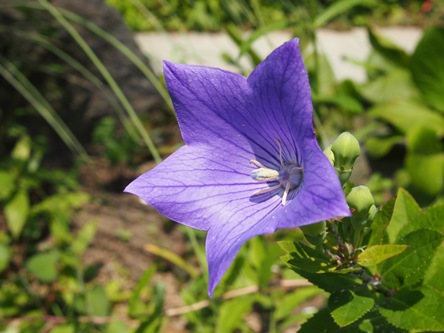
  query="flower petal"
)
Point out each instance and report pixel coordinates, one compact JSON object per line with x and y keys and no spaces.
{"x":208,"y":103}
{"x":281,"y":93}
{"x":201,"y":189}
{"x":224,"y":242}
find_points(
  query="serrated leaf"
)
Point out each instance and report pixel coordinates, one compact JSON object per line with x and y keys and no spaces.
{"x":287,"y":246}
{"x":409,"y":267}
{"x":331,"y":282}
{"x":404,"y":211}
{"x":380,"y":223}
{"x":16,"y":212}
{"x":321,"y":322}
{"x":427,"y":66}
{"x":308,"y":259}
{"x":346,"y":307}
{"x":43,"y":265}
{"x":416,"y":310}
{"x":372,"y":322}
{"x":376,"y":254}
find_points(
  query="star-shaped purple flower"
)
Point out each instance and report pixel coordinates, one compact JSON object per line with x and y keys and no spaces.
{"x":251,"y":163}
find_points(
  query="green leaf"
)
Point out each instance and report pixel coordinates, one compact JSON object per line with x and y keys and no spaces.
{"x":308,"y":259}
{"x":7,"y":184}
{"x":61,"y":203}
{"x":386,"y":90}
{"x":378,"y":146}
{"x":292,"y":300}
{"x":405,"y":210}
{"x":331,"y":282}
{"x":136,"y":307}
{"x":434,"y":277}
{"x":16,"y":212}
{"x":92,"y":302}
{"x":425,"y":160}
{"x":264,"y":271}
{"x":64,"y":328}
{"x":416,"y":310}
{"x":388,"y":49}
{"x":373,"y":322}
{"x":376,"y":254}
{"x":155,"y":313}
{"x":409,"y":267}
{"x":231,"y":314}
{"x":84,"y":238}
{"x":5,"y":255}
{"x":337,"y":8}
{"x":322,"y":78}
{"x":406,"y":114}
{"x":22,"y":150}
{"x":380,"y":223}
{"x":117,"y":327}
{"x":321,"y":322}
{"x":427,"y":66}
{"x":347,"y":307}
{"x":97,"y":302}
{"x":44,"y":265}
{"x":287,"y":246}
{"x":432,"y":219}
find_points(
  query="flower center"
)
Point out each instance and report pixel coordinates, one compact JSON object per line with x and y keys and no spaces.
{"x":289,"y":176}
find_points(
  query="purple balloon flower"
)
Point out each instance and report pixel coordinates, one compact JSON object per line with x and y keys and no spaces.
{"x":251,"y":163}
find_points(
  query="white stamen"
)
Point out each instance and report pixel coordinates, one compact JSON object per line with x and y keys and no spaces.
{"x":263,"y":174}
{"x":283,"y":176}
{"x":284,"y":196}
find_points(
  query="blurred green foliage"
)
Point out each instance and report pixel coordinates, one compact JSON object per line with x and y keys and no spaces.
{"x":214,"y":15}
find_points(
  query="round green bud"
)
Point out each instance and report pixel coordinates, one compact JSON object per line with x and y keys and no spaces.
{"x":329,"y":153}
{"x":360,"y":199}
{"x":313,"y":230}
{"x":346,"y":150}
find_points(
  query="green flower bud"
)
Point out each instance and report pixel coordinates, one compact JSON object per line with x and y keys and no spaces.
{"x":345,"y":150}
{"x":372,"y":212}
{"x":360,"y":199}
{"x":329,"y":153}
